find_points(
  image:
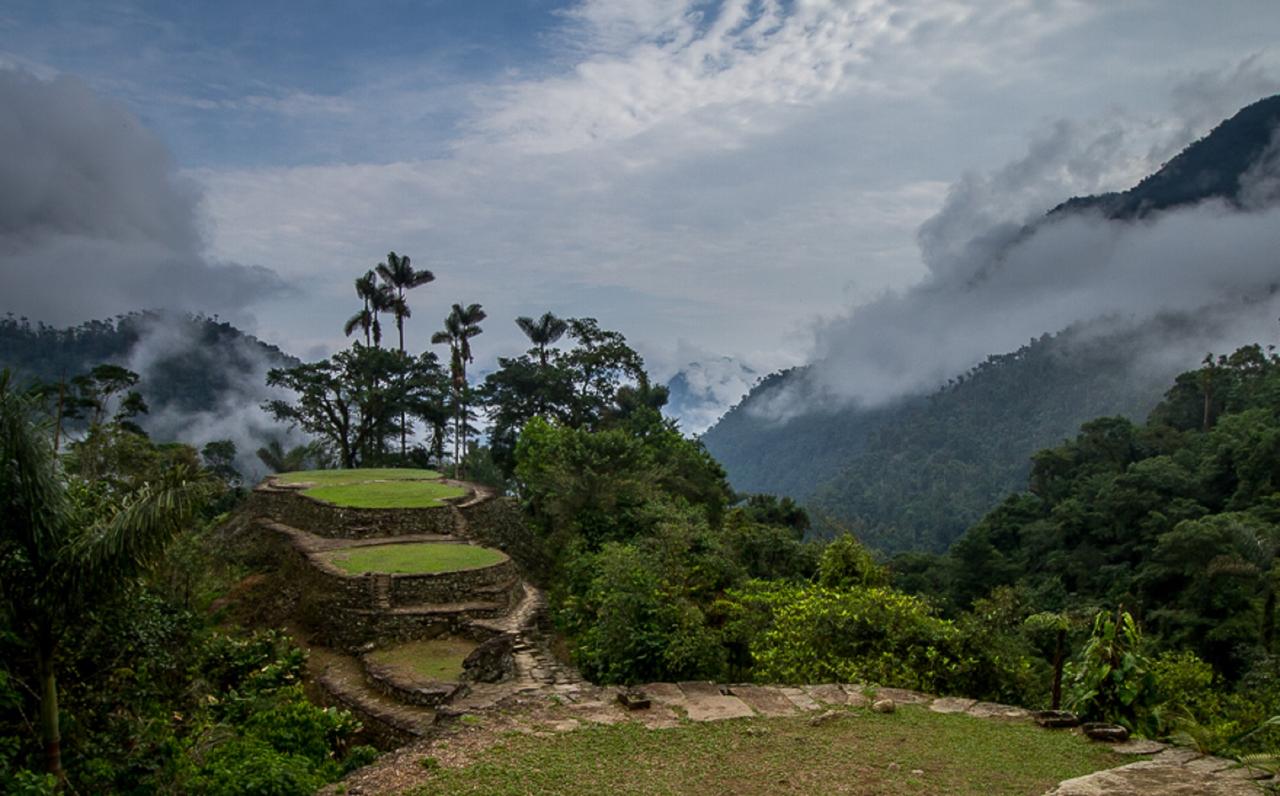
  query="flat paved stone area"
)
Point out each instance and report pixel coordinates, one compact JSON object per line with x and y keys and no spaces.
{"x":765,"y":701}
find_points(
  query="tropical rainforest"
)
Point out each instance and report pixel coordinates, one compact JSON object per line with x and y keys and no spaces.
{"x":1126,"y":573}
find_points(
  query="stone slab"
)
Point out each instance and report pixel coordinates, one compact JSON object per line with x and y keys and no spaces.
{"x":1177,"y":755}
{"x":952,"y":705}
{"x":799,"y":698}
{"x":903,"y":696}
{"x":855,"y":695}
{"x":699,"y":688}
{"x":1139,"y":746}
{"x":994,"y":710}
{"x":828,"y":694}
{"x":765,"y":701}
{"x":1209,"y":765}
{"x":665,"y":694}
{"x":1149,"y":778}
{"x":701,"y":707}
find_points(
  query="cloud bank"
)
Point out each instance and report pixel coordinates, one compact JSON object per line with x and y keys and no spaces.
{"x":994,"y":283}
{"x":93,"y":220}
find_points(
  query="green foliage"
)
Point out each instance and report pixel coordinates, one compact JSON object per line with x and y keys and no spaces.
{"x":845,"y":563}
{"x":358,"y":399}
{"x":814,"y":634}
{"x":914,"y":474}
{"x":1113,"y":680}
{"x":635,"y":620}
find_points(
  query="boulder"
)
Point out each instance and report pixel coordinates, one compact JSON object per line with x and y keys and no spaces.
{"x":1102,"y":731}
{"x":491,"y":662}
{"x":884,"y":706}
{"x":1056,"y":719}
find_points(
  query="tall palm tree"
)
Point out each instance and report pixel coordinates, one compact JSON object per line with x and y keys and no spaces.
{"x":542,"y":332}
{"x":366,"y":288}
{"x":58,"y":566}
{"x":460,"y":325}
{"x":399,"y":275}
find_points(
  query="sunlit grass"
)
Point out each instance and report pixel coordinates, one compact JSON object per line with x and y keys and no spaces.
{"x":356,"y":476}
{"x":386,"y":494}
{"x":866,"y":753}
{"x":415,"y":558}
{"x":435,"y":659}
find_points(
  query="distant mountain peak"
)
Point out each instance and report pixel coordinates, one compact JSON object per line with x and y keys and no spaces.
{"x":1218,"y":166}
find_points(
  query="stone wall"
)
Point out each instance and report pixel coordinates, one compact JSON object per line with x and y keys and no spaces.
{"x":343,"y":610}
{"x":292,"y":508}
{"x":490,"y":584}
{"x":499,"y":523}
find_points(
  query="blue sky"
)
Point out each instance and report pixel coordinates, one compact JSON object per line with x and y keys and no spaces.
{"x":712,"y":178}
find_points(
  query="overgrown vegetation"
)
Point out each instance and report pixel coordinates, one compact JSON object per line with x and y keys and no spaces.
{"x":113,"y":678}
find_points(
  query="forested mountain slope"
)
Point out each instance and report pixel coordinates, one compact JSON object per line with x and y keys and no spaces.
{"x":915,"y":473}
{"x":188,"y":365}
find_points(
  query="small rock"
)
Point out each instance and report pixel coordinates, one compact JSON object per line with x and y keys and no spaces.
{"x":919,"y":772}
{"x":1107,"y":733}
{"x":634,"y":699}
{"x":756,"y":731}
{"x":826,"y":717}
{"x":884,"y":706}
{"x":893,"y":767}
{"x":1056,"y":719}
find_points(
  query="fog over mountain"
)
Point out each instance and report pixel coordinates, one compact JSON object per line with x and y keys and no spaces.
{"x":1000,"y":272}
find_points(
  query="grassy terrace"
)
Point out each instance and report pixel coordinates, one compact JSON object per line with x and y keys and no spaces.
{"x":375,"y":488}
{"x":865,"y":754}
{"x":414,"y":558}
{"x":436,"y":659}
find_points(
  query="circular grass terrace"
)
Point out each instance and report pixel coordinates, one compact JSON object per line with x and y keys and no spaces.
{"x":430,"y":660}
{"x":414,"y":558}
{"x":385,"y":488}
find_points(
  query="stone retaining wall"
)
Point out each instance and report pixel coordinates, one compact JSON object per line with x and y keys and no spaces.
{"x":494,"y":583}
{"x":291,"y":507}
{"x":342,"y":610}
{"x":499,"y":523}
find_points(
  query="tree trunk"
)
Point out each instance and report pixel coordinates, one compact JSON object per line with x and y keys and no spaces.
{"x":1058,"y":655}
{"x":1269,"y":621}
{"x":50,"y":732}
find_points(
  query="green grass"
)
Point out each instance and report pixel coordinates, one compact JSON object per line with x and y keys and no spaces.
{"x":357,"y":476}
{"x":386,"y":494}
{"x":958,"y":755}
{"x":414,"y":558}
{"x":436,"y":659}
{"x":387,"y":488}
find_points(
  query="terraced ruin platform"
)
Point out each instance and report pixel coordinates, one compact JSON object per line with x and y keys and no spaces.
{"x":379,"y":593}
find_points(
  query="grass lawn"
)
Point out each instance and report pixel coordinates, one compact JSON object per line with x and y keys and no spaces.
{"x":386,"y":494}
{"x":414,"y":558}
{"x":866,"y":753}
{"x":375,"y":488}
{"x":436,"y":659}
{"x":357,"y":476}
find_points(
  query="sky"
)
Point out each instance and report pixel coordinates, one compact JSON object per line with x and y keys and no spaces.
{"x":772,"y":182}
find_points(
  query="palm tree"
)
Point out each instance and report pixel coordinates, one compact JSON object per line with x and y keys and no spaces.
{"x":278,"y":460}
{"x":399,"y":275}
{"x":460,"y":325}
{"x":366,"y":287}
{"x":58,"y":566}
{"x":542,"y":332}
